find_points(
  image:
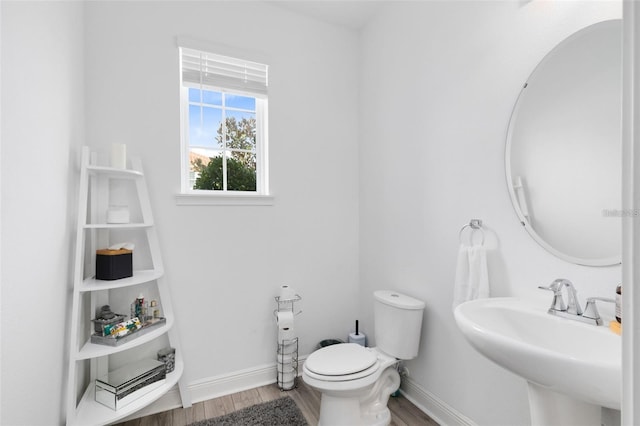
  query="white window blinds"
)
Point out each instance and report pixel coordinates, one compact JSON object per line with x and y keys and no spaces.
{"x":208,"y":69}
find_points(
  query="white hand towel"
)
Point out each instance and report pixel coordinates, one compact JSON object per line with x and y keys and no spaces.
{"x":472,"y":276}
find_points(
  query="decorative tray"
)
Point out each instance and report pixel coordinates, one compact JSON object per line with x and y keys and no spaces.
{"x":119,"y":340}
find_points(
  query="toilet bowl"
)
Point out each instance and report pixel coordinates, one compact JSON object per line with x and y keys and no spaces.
{"x":356,"y":382}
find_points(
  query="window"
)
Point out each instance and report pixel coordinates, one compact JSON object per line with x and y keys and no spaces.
{"x":224,"y":124}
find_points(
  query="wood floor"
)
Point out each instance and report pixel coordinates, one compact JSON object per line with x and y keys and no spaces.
{"x":403,"y":412}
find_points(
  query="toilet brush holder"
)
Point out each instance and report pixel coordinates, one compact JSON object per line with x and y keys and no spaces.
{"x":359,"y":339}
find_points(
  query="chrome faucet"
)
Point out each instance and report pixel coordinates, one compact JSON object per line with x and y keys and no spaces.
{"x":573,"y":310}
{"x":573,"y":307}
{"x":590,"y":310}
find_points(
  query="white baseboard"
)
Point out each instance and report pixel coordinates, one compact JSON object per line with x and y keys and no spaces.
{"x":215,"y":387}
{"x":250,"y":378}
{"x":437,"y":409}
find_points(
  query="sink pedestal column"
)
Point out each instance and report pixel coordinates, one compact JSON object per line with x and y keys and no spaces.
{"x":549,"y":408}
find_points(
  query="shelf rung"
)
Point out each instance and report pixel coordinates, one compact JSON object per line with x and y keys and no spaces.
{"x":139,"y":277}
{"x":117,"y":225}
{"x":116,"y":173}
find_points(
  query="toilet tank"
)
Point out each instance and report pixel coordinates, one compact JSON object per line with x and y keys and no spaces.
{"x":398,"y":321}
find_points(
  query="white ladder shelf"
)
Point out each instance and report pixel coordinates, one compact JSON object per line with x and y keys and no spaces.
{"x":92,"y":230}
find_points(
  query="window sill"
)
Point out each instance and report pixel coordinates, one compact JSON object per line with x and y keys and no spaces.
{"x":196,"y":199}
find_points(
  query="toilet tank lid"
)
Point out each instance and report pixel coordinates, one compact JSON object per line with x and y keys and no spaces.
{"x":393,"y":298}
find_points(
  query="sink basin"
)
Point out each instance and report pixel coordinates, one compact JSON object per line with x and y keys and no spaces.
{"x":581,"y":361}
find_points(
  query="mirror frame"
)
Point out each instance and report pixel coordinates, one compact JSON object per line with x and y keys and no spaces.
{"x":608,"y":261}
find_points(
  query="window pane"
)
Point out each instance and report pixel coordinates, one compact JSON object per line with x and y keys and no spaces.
{"x":241,"y":171}
{"x":194,"y":95}
{"x":210,"y":97}
{"x":242,"y":102}
{"x":212,"y":122}
{"x":247,"y":159}
{"x":195,"y":124}
{"x":204,"y":123}
{"x":241,"y":130}
{"x":207,"y":168}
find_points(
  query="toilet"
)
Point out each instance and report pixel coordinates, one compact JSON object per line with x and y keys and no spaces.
{"x":356,"y":382}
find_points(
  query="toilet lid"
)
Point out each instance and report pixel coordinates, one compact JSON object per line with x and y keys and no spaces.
{"x":340,"y":360}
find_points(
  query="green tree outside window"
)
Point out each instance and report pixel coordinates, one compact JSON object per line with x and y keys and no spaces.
{"x":241,"y":165}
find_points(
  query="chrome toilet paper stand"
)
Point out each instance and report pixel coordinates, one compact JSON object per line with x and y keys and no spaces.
{"x":287,"y":355}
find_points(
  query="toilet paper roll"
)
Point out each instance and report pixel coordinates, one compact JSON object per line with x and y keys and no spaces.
{"x":287,"y":348}
{"x":119,"y":155}
{"x":287,"y":293}
{"x":286,"y":377}
{"x":285,"y":368}
{"x":285,"y":361}
{"x":286,"y":385}
{"x":285,"y":334}
{"x":286,"y":329}
{"x":360,"y":338}
{"x":284,"y":319}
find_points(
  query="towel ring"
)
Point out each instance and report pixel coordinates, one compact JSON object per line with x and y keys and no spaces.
{"x":475,"y":225}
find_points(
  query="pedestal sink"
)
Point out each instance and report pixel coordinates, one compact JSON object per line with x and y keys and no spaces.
{"x":572,"y":369}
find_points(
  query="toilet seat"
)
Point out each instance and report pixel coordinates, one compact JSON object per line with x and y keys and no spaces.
{"x":341,"y":362}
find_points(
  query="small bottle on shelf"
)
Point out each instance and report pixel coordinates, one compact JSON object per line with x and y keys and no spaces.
{"x":619,"y":303}
{"x":155,"y":309}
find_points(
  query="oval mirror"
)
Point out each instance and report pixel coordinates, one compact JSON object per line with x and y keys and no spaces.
{"x":563,"y":150}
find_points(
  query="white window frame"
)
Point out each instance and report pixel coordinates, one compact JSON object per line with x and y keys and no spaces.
{"x":190,"y":196}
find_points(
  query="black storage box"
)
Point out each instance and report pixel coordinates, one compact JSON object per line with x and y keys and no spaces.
{"x":114,"y":264}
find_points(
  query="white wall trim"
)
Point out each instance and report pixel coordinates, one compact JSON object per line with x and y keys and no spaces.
{"x":215,"y":387}
{"x":193,"y":199}
{"x":630,"y":203}
{"x":436,"y":408}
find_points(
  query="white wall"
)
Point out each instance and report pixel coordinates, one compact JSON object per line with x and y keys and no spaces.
{"x":224,"y":264}
{"x":42,"y":126}
{"x":439,"y":82}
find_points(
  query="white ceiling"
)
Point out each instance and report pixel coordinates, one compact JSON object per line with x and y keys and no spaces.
{"x":352,"y":14}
